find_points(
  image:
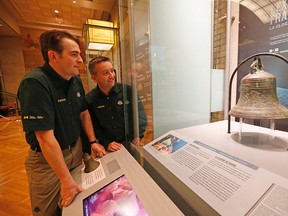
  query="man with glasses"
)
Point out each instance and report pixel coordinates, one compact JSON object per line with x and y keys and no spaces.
{"x":110,"y":107}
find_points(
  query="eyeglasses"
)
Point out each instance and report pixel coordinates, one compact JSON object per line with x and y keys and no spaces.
{"x":107,"y":73}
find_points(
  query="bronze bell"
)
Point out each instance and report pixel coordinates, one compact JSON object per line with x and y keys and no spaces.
{"x":89,"y":163}
{"x":258,"y":97}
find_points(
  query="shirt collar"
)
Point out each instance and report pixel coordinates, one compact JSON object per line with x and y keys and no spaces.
{"x":115,"y":89}
{"x":57,"y":79}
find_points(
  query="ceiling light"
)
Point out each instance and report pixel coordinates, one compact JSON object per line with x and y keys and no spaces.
{"x":99,"y":34}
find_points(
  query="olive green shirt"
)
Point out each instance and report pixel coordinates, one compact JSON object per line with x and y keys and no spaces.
{"x":112,"y":115}
{"x":49,"y":102}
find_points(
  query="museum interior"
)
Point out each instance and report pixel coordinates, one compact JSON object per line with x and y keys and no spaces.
{"x":212,"y":78}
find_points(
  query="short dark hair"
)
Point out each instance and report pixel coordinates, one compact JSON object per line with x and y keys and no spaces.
{"x":52,"y":40}
{"x":98,"y":59}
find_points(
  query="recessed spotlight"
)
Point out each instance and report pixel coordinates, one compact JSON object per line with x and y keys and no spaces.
{"x":56,"y":11}
{"x":74,"y":2}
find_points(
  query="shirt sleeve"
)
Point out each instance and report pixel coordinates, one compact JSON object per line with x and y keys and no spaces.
{"x":36,"y":105}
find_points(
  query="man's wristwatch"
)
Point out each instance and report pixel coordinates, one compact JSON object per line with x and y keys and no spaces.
{"x":94,"y":141}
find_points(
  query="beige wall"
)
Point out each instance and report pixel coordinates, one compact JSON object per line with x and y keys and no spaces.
{"x":12,"y":64}
{"x":18,"y":55}
{"x":31,"y":48}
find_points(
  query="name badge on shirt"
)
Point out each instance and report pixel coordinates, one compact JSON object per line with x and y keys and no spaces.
{"x":61,"y":100}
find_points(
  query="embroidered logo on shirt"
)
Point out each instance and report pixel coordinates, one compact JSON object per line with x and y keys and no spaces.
{"x":61,"y":100}
{"x":120,"y":102}
{"x":78,"y":94}
{"x":100,"y":107}
{"x":33,"y":117}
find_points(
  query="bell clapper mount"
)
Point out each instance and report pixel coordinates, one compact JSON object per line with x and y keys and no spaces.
{"x":256,"y":65}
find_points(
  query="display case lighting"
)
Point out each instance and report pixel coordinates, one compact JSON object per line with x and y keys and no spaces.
{"x":99,"y":34}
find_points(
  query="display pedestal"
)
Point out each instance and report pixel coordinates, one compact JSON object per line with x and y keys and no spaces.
{"x":112,"y":166}
{"x":183,"y":197}
{"x":207,"y":172}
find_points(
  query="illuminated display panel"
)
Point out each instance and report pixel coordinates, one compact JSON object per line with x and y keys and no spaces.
{"x":116,"y":198}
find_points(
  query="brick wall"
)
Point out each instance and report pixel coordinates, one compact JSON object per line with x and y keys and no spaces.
{"x":219,"y":44}
{"x":219,"y":34}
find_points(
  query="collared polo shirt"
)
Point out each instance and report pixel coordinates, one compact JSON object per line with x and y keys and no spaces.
{"x":112,"y":114}
{"x":49,"y":102}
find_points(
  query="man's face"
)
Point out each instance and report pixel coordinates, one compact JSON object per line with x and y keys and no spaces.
{"x":104,"y":76}
{"x":68,"y":63}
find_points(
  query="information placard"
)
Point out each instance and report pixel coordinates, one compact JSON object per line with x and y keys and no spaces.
{"x":225,"y":182}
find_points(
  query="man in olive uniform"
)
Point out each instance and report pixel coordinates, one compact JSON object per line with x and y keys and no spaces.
{"x":53,"y":110}
{"x":110,"y":107}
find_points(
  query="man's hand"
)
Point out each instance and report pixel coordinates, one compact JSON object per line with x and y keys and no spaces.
{"x":98,"y":150}
{"x":114,"y":146}
{"x":68,"y":191}
{"x":54,"y":156}
{"x":136,"y":141}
